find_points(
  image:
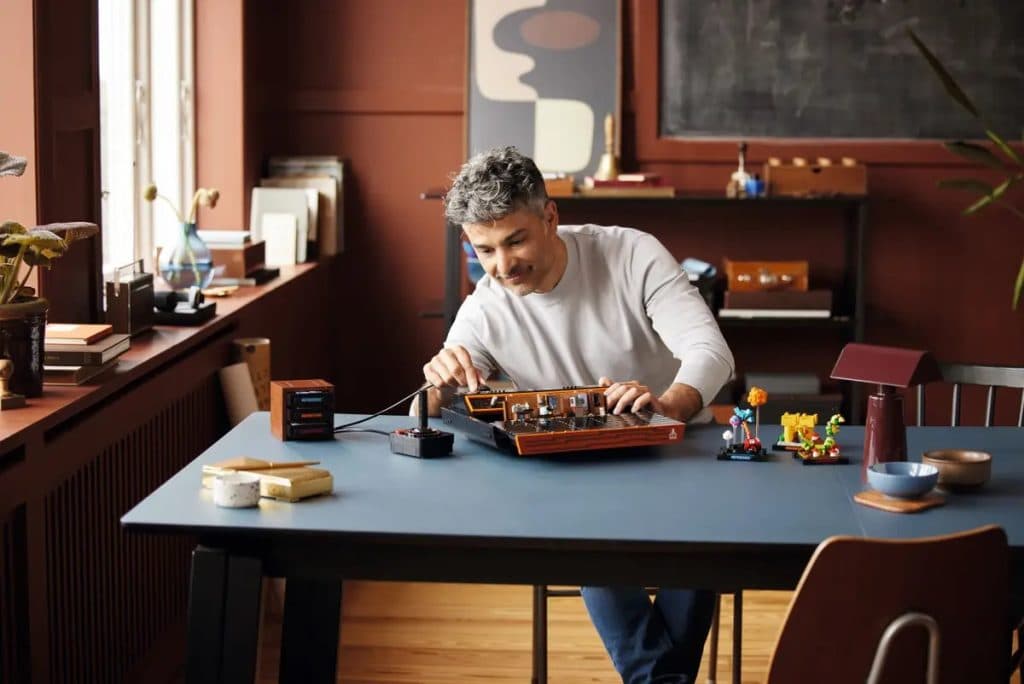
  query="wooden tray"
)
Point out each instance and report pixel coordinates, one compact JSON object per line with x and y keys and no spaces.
{"x":874,"y":499}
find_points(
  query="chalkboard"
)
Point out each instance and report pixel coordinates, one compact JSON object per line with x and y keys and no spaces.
{"x":780,"y":68}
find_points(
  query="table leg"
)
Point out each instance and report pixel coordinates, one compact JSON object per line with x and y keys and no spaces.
{"x":223,"y":617}
{"x":310,"y":630}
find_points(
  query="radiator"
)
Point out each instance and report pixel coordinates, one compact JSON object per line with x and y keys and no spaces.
{"x":111,"y":596}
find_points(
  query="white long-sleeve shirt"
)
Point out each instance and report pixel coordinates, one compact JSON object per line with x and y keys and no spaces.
{"x":623,"y":309}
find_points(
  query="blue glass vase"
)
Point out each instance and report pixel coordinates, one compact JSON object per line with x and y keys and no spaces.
{"x":187,"y":262}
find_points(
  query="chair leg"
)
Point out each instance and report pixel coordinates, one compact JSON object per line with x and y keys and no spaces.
{"x":737,"y":636}
{"x":540,"y":634}
{"x":713,"y":650}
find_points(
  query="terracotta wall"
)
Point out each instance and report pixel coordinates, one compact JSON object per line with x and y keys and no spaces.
{"x":381,"y":82}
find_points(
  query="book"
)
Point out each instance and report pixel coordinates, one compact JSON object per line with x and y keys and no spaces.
{"x":774,"y":313}
{"x":630,"y":191}
{"x":95,"y":354}
{"x":778,"y":299}
{"x":650,"y":178}
{"x":76,"y":333}
{"x":624,"y":180}
{"x":225,"y":237}
{"x":312,"y":166}
{"x":257,"y":277}
{"x":239,"y":260}
{"x":326,"y":231}
{"x":286,"y":239}
{"x":75,"y":375}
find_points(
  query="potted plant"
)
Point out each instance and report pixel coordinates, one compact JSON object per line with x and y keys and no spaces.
{"x":1008,"y":162}
{"x":22,"y":313}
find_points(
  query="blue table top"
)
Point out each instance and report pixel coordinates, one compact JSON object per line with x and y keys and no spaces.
{"x":675,"y":495}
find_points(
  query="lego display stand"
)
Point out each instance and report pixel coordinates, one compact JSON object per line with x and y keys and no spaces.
{"x":750,"y":447}
{"x":739,"y":452}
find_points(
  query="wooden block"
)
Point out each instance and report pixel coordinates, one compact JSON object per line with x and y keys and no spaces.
{"x":283,"y":421}
{"x":875,"y":499}
{"x":801,"y":179}
{"x":241,"y":260}
{"x":757,"y":276}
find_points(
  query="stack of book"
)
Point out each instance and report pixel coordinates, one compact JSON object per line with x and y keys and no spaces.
{"x":777,"y":304}
{"x":323,"y":177}
{"x":627,"y":185}
{"x":74,"y":353}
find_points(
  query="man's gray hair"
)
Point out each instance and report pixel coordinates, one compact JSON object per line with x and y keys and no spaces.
{"x":494,"y":184}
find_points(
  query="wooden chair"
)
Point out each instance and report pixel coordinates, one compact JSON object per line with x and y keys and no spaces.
{"x":991,"y":377}
{"x":541,"y":594}
{"x":858,"y":612}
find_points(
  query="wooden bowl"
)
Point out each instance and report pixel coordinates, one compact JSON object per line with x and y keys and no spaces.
{"x":960,"y":468}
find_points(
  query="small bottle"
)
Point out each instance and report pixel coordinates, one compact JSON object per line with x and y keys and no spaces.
{"x":737,"y":186}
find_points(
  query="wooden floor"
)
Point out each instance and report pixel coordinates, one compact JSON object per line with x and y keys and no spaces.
{"x":450,"y":634}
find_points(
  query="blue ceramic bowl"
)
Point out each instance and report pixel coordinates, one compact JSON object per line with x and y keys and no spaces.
{"x":903,"y":480}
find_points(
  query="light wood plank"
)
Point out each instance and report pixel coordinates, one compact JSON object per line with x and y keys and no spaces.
{"x":405,"y":633}
{"x":451,"y":633}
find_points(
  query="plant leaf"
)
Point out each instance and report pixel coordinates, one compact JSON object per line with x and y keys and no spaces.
{"x":70,"y":232}
{"x":968,"y":184}
{"x":11,"y":165}
{"x":975,"y":153}
{"x":1002,"y":144}
{"x":12,"y":227}
{"x":992,"y":196}
{"x":950,"y":84}
{"x":979,"y":205}
{"x":1019,"y":285}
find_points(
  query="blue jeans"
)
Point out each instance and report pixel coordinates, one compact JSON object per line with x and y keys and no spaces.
{"x":652,"y":642}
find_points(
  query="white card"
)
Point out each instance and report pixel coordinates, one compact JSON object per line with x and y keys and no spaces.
{"x":280,"y":233}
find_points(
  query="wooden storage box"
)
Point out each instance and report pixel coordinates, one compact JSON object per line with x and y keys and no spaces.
{"x":755,"y":276}
{"x":810,"y":180}
{"x":240,"y":261}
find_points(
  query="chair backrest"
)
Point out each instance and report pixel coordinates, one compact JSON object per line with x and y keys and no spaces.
{"x":854,"y":588}
{"x":992,"y":377}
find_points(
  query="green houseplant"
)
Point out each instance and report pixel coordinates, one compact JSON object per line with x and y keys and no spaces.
{"x":22,"y":313}
{"x":1000,"y":157}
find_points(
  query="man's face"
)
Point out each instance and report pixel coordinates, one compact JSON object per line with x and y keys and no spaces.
{"x":521,"y":251}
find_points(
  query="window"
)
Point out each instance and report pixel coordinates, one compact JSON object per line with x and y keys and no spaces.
{"x":146,"y":123}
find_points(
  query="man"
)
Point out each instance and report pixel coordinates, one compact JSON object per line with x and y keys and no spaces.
{"x":578,"y":305}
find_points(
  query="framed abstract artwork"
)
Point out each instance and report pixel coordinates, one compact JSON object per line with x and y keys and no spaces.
{"x":543,"y":75}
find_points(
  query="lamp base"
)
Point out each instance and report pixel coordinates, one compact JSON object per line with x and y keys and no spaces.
{"x":885,"y":435}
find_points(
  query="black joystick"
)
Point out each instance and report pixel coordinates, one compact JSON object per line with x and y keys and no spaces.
{"x":422,"y":441}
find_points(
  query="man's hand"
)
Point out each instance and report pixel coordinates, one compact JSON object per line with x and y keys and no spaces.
{"x":450,"y":368}
{"x":679,"y":401}
{"x":453,"y":368}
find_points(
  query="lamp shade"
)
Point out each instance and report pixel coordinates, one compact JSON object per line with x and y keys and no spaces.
{"x":893,"y":366}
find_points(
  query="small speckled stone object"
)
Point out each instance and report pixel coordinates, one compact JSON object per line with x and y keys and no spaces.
{"x":236,"y":490}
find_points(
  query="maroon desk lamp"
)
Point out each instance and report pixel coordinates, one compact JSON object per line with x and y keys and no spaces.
{"x":885,"y":435}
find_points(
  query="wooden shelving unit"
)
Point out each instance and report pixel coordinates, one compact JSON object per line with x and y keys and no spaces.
{"x":849,"y":296}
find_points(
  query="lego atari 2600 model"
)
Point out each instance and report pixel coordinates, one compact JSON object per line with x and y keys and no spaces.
{"x":555,"y":420}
